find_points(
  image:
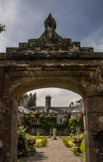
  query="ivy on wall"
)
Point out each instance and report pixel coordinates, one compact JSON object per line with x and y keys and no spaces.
{"x":46,"y":121}
{"x":73,"y":123}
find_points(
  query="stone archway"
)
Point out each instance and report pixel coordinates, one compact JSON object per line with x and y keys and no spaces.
{"x":51,"y":61}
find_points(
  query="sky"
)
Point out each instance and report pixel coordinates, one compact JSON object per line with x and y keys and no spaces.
{"x":80,"y":20}
{"x":59,"y":97}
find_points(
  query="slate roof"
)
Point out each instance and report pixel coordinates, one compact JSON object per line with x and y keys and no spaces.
{"x":56,"y":110}
{"x":75,"y":111}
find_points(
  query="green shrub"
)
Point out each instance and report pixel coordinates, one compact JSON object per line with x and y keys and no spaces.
{"x":71,"y":135}
{"x":40,"y":142}
{"x":44,"y":141}
{"x":67,"y":142}
{"x":22,"y":141}
{"x":73,"y":123}
{"x":38,"y":134}
{"x":60,"y":136}
{"x":50,"y":136}
{"x":82,"y":135}
{"x":75,"y":149}
{"x":82,"y":146}
{"x":70,"y":143}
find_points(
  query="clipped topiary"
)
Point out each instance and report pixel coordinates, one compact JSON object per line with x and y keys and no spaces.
{"x":82,"y":146}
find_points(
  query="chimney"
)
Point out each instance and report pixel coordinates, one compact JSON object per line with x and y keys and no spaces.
{"x":47,"y":101}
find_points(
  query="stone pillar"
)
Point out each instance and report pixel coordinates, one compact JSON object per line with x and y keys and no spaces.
{"x":8,"y":129}
{"x":93,"y":115}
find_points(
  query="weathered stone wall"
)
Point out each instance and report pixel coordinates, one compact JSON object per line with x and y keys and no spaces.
{"x":94,"y":128}
{"x":8,"y":129}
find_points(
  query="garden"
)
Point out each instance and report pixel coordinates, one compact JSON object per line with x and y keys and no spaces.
{"x":27,"y":143}
{"x":76,"y":143}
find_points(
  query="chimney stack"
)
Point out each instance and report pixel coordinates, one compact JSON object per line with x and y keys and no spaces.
{"x":47,"y":103}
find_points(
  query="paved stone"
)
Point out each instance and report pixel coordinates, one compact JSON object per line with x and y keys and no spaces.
{"x":55,"y":151}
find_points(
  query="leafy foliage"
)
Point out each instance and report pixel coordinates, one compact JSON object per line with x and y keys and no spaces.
{"x":67,"y":142}
{"x":23,"y":147}
{"x":23,"y":96}
{"x":31,"y":100}
{"x":22,"y":142}
{"x":81,"y":123}
{"x":46,"y":121}
{"x":73,"y":123}
{"x":2,"y":28}
{"x":75,"y":149}
{"x":82,"y":146}
{"x":40,"y":142}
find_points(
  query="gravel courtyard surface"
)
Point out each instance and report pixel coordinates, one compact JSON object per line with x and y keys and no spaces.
{"x":54,"y":151}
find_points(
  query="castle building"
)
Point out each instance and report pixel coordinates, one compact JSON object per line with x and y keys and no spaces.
{"x":74,"y":110}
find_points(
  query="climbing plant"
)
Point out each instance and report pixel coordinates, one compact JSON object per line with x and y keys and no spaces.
{"x":46,"y":121}
{"x":73,"y":123}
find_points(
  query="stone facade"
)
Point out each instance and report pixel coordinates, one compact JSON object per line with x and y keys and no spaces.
{"x":62,"y":113}
{"x":76,"y":114}
{"x":51,"y":61}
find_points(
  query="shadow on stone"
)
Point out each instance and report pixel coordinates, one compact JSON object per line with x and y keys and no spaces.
{"x":38,"y":156}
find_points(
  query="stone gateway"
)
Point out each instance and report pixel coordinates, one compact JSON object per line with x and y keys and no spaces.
{"x":51,"y":61}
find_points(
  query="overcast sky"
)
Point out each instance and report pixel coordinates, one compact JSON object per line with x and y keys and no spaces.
{"x":60,"y":97}
{"x":81,"y":20}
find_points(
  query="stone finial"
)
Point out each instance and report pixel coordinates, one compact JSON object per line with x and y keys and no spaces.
{"x":50,"y":23}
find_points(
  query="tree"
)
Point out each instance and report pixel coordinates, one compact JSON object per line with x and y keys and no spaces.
{"x":2,"y":28}
{"x":23,"y":96}
{"x":32,"y":99}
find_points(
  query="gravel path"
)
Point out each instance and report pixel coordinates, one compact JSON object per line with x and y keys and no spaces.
{"x":54,"y":151}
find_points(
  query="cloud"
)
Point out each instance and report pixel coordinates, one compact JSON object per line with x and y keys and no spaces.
{"x":60,"y":97}
{"x":95,"y":40}
{"x":23,"y":21}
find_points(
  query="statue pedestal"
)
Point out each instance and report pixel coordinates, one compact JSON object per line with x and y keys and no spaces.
{"x":54,"y":134}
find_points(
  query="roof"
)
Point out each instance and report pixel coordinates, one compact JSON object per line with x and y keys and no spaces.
{"x":22,"y":109}
{"x":75,"y":111}
{"x":55,"y":110}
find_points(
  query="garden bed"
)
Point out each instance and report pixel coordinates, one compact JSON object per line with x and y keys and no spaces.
{"x":77,"y":145}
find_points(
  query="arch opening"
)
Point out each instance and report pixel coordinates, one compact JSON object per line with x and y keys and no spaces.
{"x":27,"y":85}
{"x":60,"y":115}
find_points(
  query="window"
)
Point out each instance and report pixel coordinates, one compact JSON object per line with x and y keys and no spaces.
{"x":60,"y":120}
{"x":34,"y":121}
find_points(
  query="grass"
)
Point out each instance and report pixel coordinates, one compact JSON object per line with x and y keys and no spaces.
{"x":29,"y":137}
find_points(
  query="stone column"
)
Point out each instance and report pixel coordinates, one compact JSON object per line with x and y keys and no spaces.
{"x":8,"y":129}
{"x":93,"y":115}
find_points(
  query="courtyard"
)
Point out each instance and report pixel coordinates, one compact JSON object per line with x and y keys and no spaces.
{"x":54,"y":151}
